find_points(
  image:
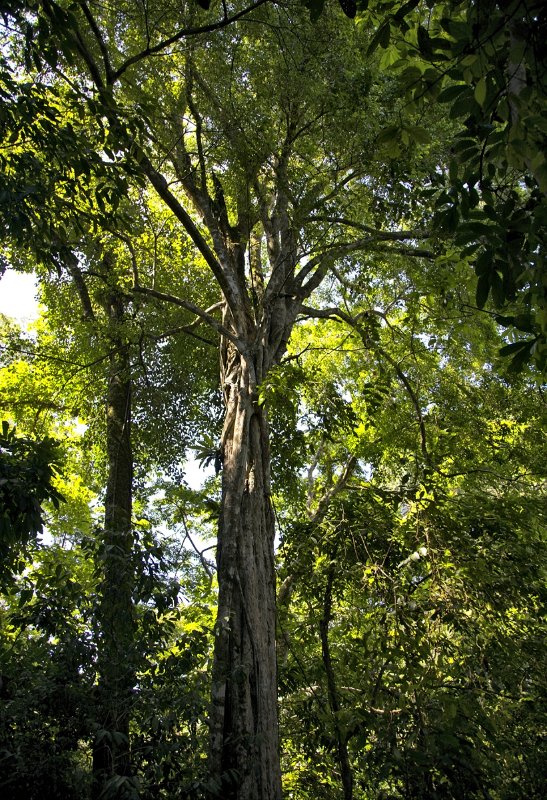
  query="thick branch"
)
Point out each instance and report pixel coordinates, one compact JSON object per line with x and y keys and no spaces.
{"x":199,"y":312}
{"x":226,"y":280}
{"x":100,"y":40}
{"x":73,"y":269}
{"x":184,"y":33}
{"x":199,"y":125}
{"x":374,"y":232}
{"x":279,"y":233}
{"x":325,"y":313}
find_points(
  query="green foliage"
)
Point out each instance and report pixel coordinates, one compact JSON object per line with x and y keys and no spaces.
{"x":482,"y":60}
{"x":27,"y":473}
{"x":407,"y":478}
{"x":59,"y":173}
{"x":47,"y":674}
{"x":170,"y":730}
{"x":435,"y":547}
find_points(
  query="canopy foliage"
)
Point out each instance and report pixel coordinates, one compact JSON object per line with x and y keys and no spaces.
{"x":348,"y":214}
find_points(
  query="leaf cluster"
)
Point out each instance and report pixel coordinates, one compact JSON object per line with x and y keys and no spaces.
{"x":27,"y":473}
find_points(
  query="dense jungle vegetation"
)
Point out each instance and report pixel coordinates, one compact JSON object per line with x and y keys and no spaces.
{"x":296,"y":247}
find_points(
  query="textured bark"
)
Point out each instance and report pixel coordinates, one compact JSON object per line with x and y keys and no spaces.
{"x":111,"y":750}
{"x":253,"y":259}
{"x":244,"y":757}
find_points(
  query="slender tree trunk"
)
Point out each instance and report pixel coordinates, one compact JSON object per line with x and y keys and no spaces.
{"x":111,"y":750}
{"x":244,"y":757}
{"x":334,"y":702}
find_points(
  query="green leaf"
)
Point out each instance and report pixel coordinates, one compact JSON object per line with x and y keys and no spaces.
{"x":380,"y":39}
{"x":419,"y":135}
{"x":389,"y":57}
{"x":450,"y":93}
{"x":519,"y":352}
{"x":315,"y":8}
{"x":483,"y":290}
{"x":405,"y":9}
{"x":424,"y":42}
{"x":514,"y":347}
{"x":481,"y":91}
{"x":390,"y":134}
{"x":459,"y":30}
{"x":349,"y":7}
{"x":483,"y":264}
{"x":464,"y":105}
{"x":24,"y":596}
{"x":498,"y":291}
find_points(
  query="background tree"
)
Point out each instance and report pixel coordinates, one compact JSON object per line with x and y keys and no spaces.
{"x":270,"y":180}
{"x":58,"y":611}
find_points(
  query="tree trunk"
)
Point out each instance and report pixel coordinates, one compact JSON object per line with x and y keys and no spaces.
{"x":116,"y":667}
{"x":334,"y":702}
{"x":244,"y":749}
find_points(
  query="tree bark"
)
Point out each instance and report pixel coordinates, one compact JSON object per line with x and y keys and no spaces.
{"x":116,"y":666}
{"x":244,"y":749}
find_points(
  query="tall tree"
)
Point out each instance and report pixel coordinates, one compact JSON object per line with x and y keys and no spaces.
{"x":116,"y":623}
{"x":57,"y":628}
{"x":270,"y":168}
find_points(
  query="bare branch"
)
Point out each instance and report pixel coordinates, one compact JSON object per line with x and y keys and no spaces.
{"x":189,"y":329}
{"x":199,"y":312}
{"x":199,"y":125}
{"x":335,"y":190}
{"x":199,"y":552}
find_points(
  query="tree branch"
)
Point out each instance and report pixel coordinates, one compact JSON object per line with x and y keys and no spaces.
{"x":199,"y":312}
{"x":341,"y":482}
{"x":226,"y":281}
{"x":184,"y":33}
{"x":337,"y":313}
{"x":412,"y":394}
{"x":189,"y":329}
{"x":78,"y":40}
{"x":374,"y":232}
{"x":100,"y":40}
